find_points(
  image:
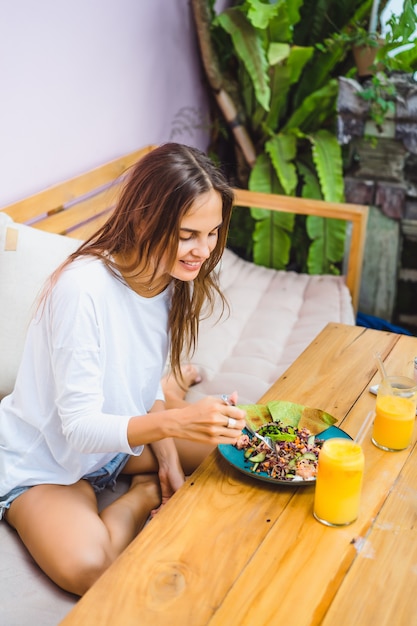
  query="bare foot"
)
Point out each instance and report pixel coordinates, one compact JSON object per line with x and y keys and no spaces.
{"x":144,"y":479}
{"x":127,"y":515}
{"x":148,"y":487}
{"x":174,"y":390}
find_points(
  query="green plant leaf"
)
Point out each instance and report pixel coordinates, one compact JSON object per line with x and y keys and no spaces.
{"x":248,"y":47}
{"x":408,"y":57}
{"x":327,"y":235}
{"x":271,"y":243}
{"x":316,"y":259}
{"x":271,"y":236}
{"x":331,"y":233}
{"x":261,"y":14}
{"x":318,"y":262}
{"x":327,"y":157}
{"x":403,"y":26}
{"x":404,"y":60}
{"x":278,"y":52}
{"x":282,"y":149}
{"x":310,"y":183}
{"x":280,"y":87}
{"x":264,"y":179}
{"x":297,"y":61}
{"x":315,"y":108}
{"x":281,"y":26}
{"x":287,"y":65}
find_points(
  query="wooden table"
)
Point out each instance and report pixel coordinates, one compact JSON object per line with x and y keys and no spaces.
{"x":228,"y":550}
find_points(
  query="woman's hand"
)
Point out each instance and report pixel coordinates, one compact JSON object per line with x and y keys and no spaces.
{"x":170,"y":473}
{"x":209,"y":420}
{"x":170,"y":479}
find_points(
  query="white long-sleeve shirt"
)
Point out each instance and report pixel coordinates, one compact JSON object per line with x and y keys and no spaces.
{"x":93,"y":358}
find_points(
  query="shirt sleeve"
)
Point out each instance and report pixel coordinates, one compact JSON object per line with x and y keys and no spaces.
{"x":76,"y":344}
{"x":160,"y":394}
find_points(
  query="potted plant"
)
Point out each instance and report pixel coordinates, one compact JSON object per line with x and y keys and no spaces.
{"x":380,"y":54}
{"x":380,"y":94}
{"x":274,"y":83}
{"x":274,"y":114}
{"x":367,"y":42}
{"x":365,"y":48}
{"x":390,"y":46}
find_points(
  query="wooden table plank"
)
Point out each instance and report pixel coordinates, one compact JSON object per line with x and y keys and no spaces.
{"x":188,"y":569}
{"x":386,"y":564}
{"x":304,"y":562}
{"x":281,"y":554}
{"x":332,"y":373}
{"x":228,"y":549}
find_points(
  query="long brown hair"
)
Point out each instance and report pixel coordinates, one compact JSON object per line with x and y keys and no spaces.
{"x":145,"y":226}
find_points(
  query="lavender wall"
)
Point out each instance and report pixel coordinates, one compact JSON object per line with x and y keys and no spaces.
{"x":85,"y":81}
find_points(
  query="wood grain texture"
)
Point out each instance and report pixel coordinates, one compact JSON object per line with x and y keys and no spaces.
{"x":228,"y":549}
{"x":356,"y":214}
{"x":182,"y":564}
{"x":69,"y":190}
{"x":385,"y":565}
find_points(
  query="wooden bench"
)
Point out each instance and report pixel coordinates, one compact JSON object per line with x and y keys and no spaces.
{"x":237,"y":353}
{"x":78,"y":206}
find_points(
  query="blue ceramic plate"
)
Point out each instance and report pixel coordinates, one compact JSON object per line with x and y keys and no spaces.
{"x":237,"y":459}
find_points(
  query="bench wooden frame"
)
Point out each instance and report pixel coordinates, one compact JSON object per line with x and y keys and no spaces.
{"x":78,"y":206}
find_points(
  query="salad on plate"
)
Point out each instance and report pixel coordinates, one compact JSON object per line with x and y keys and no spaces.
{"x":294,"y":457}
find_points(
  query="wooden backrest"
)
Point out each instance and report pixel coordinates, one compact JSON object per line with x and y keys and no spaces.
{"x":356,"y":214}
{"x":78,"y":206}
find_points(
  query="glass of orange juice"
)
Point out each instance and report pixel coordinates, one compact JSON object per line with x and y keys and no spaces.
{"x":339,"y":482}
{"x":395,"y":413}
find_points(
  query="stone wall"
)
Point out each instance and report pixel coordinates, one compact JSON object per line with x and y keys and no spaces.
{"x":381,"y":172}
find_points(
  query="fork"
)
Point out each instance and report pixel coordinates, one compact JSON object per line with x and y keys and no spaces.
{"x":267,"y":440}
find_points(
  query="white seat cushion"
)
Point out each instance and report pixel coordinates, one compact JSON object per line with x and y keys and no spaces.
{"x":27,"y":257}
{"x":274,"y":315}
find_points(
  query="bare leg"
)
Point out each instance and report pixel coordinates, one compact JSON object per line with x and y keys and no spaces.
{"x":125,"y":517}
{"x":175,"y":391}
{"x":72,"y":543}
{"x":191,"y":453}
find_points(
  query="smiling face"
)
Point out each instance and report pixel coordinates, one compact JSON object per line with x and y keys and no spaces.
{"x":199,"y":231}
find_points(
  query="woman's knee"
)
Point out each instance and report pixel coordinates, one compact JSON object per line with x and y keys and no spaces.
{"x":83,"y":569}
{"x":61,"y":528}
{"x":192,"y":454}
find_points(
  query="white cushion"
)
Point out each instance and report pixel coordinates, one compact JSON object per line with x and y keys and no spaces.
{"x":27,"y":257}
{"x":274,"y":315}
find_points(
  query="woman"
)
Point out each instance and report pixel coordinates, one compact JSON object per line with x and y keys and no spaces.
{"x":88,"y":402}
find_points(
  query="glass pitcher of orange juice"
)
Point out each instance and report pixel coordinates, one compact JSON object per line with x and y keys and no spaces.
{"x":395,"y":412}
{"x":339,"y":482}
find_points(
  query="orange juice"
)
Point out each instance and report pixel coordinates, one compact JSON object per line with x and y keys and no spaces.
{"x":395,"y":413}
{"x":394,"y":422}
{"x":339,"y":482}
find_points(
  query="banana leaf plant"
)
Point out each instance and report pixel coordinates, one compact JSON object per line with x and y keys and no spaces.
{"x":277,"y":91}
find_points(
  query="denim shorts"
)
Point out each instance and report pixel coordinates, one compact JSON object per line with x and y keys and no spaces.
{"x":99,"y":480}
{"x":106,"y":476}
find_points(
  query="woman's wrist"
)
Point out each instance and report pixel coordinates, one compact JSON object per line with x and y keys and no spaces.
{"x":152,"y":427}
